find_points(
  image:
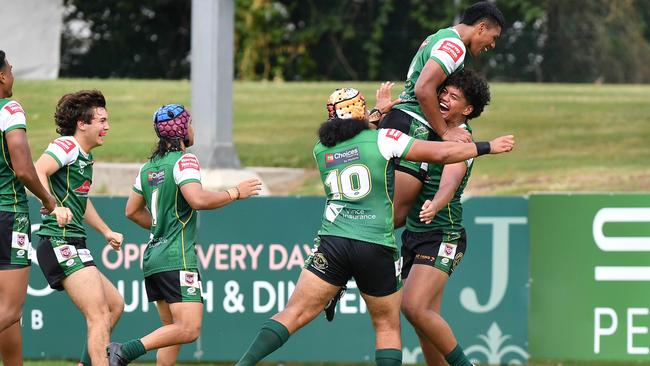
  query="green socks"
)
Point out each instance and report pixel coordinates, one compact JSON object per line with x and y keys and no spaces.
{"x":388,"y":357}
{"x":133,"y":349}
{"x":85,"y":357}
{"x":457,"y":357}
{"x":271,"y":336}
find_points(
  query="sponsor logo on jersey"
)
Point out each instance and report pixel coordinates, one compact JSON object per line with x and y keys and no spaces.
{"x":64,"y":144}
{"x":66,"y":252}
{"x":191,"y":291}
{"x":83,"y":189}
{"x":13,"y":108}
{"x":394,"y":134}
{"x":21,"y":240}
{"x":457,"y":260}
{"x":83,"y":165}
{"x":189,"y":278}
{"x":452,"y":49}
{"x":188,"y":162}
{"x":156,"y":178}
{"x":20,"y":253}
{"x":447,"y":251}
{"x":342,"y":157}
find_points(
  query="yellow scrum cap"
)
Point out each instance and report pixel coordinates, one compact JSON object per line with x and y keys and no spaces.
{"x":346,"y":103}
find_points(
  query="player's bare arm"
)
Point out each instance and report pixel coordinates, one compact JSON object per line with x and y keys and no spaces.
{"x":452,"y":176}
{"x":454,"y":152}
{"x":46,"y":166}
{"x":200,"y":199}
{"x":114,"y":239}
{"x":21,"y":160}
{"x":426,"y":91}
{"x":136,"y":210}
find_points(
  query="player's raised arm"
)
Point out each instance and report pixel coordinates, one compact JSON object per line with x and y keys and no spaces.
{"x":453,"y":152}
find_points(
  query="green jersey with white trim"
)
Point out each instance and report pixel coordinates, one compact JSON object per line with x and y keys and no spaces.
{"x":69,"y":186}
{"x":12,"y":191}
{"x":358,"y":177}
{"x":173,"y":222}
{"x":445,"y":48}
{"x":450,"y":217}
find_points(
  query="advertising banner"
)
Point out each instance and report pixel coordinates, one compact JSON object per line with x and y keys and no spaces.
{"x":250,"y":255}
{"x":590,"y":269}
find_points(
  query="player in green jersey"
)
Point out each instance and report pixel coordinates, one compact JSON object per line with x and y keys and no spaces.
{"x":66,"y":167}
{"x":16,"y":172}
{"x":356,"y":237}
{"x":166,"y":195}
{"x":418,"y":113}
{"x":434,"y":241}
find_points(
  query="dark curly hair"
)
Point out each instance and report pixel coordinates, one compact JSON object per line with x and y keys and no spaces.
{"x":3,"y":59}
{"x":475,"y":88}
{"x":337,"y":130}
{"x":483,"y":10}
{"x":78,"y":106}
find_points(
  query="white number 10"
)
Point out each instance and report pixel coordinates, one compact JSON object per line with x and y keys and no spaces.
{"x":353,"y":182}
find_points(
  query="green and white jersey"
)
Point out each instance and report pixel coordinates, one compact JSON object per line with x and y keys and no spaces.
{"x":450,"y":217}
{"x":358,"y":176}
{"x":173,"y":222}
{"x":444,"y":47}
{"x":69,"y":186}
{"x":12,"y":191}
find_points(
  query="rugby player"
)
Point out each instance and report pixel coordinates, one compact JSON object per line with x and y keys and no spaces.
{"x":356,"y":237}
{"x":434,"y":241}
{"x":16,"y":172}
{"x":66,"y":170}
{"x":418,"y":113}
{"x":166,"y":195}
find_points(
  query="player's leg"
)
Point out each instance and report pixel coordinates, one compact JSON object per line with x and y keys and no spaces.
{"x":166,"y":356}
{"x":182,"y":291}
{"x":86,"y":290}
{"x":13,"y":289}
{"x":436,"y":256}
{"x":114,"y":300}
{"x":11,"y":346}
{"x":409,"y":175}
{"x":324,"y":273}
{"x":376,"y":269}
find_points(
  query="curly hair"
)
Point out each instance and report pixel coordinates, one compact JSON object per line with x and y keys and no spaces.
{"x":3,"y":59}
{"x":337,"y":130}
{"x":475,"y":88}
{"x":78,"y":106}
{"x":483,"y":10}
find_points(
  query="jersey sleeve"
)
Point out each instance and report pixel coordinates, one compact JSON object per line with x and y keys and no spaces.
{"x":137,"y":185}
{"x":64,"y":150}
{"x":393,"y":143}
{"x":14,"y":117}
{"x":449,"y":53}
{"x":187,"y":170}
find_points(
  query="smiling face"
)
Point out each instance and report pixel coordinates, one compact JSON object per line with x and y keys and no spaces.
{"x":484,"y":38}
{"x":93,"y":133}
{"x":454,"y":107}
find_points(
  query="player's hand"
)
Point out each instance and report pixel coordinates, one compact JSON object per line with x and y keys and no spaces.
{"x":114,"y":239}
{"x":457,"y":134}
{"x":384,"y":103}
{"x":502,"y":144}
{"x":48,"y":205}
{"x":250,"y":187}
{"x":63,"y":215}
{"x":427,"y":212}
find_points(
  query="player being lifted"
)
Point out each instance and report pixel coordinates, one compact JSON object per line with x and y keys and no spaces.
{"x":66,"y":168}
{"x":434,"y":241}
{"x":16,"y":172}
{"x":419,"y":114}
{"x":356,"y":237}
{"x":166,"y":194}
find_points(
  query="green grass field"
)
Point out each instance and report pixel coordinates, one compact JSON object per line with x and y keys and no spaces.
{"x":569,"y":137}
